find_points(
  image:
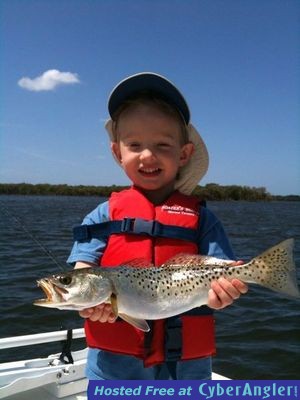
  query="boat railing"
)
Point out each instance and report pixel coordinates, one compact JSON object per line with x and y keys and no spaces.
{"x":38,"y":338}
{"x":57,"y":375}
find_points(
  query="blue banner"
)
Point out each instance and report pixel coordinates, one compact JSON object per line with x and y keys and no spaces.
{"x":195,"y":390}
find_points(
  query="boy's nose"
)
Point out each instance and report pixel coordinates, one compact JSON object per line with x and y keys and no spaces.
{"x":146,"y":154}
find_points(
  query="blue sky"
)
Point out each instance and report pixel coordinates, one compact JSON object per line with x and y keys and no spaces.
{"x":236,"y":62}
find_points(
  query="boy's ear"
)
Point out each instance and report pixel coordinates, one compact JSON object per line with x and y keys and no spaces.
{"x":187,"y":151}
{"x":115,"y":149}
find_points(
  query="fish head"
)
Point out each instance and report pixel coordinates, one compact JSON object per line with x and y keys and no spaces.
{"x":74,"y":290}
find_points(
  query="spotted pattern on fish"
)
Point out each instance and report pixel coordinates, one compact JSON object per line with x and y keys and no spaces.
{"x":182,"y":283}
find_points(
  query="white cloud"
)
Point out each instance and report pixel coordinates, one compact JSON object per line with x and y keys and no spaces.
{"x":49,"y":80}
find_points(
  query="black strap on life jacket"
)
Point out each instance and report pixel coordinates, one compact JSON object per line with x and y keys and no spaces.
{"x":173,"y":334}
{"x":135,"y":226}
{"x":173,"y":339}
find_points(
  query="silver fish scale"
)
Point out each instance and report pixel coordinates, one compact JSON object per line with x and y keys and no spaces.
{"x":168,"y":281}
{"x":156,"y":292}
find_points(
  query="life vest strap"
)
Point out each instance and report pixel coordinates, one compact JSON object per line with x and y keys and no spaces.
{"x":135,"y":226}
{"x":173,"y":339}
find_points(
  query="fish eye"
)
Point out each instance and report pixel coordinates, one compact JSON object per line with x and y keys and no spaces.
{"x":65,"y":280}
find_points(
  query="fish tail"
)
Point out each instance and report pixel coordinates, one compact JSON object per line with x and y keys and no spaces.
{"x":276,"y":269}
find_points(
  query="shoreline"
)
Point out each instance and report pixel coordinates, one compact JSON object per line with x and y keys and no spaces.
{"x":209,"y":192}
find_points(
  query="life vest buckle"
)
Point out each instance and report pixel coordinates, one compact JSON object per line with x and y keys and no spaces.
{"x":126,"y":225}
{"x":138,"y":226}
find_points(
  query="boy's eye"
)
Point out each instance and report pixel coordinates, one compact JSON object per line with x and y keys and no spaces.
{"x":164,"y":144}
{"x":133,"y":144}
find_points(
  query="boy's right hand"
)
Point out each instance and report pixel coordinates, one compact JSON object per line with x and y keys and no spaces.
{"x":102,"y":313}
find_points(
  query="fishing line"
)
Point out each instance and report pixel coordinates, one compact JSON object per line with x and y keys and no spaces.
{"x":31,"y":235}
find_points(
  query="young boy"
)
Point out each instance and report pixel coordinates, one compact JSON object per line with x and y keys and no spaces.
{"x":164,"y":157}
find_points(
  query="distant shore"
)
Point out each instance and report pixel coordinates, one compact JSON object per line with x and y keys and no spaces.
{"x":211,"y":191}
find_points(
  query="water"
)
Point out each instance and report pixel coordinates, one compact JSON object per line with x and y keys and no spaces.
{"x":258,"y":337}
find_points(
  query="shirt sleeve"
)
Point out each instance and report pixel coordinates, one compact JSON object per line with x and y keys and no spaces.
{"x":213,"y":240}
{"x":91,"y":251}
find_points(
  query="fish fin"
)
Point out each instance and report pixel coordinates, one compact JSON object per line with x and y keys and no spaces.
{"x":138,"y":263}
{"x":183,"y":259}
{"x":279,"y":268}
{"x":114,"y":304}
{"x":140,"y":324}
{"x":195,"y":260}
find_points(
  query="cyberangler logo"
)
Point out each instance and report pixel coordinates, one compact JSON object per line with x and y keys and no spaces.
{"x":255,"y":389}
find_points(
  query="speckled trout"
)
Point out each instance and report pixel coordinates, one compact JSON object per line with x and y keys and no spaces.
{"x":138,"y":292}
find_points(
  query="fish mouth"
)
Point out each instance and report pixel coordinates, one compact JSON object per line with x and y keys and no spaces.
{"x":46,"y":286}
{"x":51,"y":291}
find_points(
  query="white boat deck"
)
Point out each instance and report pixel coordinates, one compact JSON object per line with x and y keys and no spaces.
{"x":46,"y":378}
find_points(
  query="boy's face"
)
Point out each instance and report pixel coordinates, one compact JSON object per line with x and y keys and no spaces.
{"x":150,"y":149}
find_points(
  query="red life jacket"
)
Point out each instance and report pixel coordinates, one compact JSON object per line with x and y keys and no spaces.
{"x":188,"y":336}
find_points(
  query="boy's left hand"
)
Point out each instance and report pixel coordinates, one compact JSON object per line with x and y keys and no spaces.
{"x":223,"y":292}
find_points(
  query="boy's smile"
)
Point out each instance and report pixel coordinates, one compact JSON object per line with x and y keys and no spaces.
{"x":150,"y":149}
{"x":150,"y":171}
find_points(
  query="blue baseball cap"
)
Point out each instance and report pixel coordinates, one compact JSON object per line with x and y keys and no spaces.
{"x":148,"y":81}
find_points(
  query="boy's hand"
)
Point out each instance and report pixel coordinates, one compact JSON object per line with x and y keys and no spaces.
{"x":102,"y":313}
{"x":223,"y":292}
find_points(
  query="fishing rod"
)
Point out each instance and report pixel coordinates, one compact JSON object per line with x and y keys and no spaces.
{"x":31,"y":235}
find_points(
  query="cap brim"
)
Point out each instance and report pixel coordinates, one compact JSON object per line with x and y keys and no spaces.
{"x":196,"y":168}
